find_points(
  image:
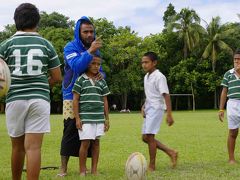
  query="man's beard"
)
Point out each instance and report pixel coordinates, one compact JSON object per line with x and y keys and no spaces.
{"x":87,"y":44}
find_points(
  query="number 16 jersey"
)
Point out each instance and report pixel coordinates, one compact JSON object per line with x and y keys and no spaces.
{"x":29,"y":57}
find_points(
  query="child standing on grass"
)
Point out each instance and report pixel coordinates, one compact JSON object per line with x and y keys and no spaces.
{"x":157,"y":101}
{"x":231,"y":90}
{"x":34,"y":67}
{"x":90,"y":108}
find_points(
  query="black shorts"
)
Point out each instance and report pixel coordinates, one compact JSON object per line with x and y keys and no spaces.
{"x":70,"y":141}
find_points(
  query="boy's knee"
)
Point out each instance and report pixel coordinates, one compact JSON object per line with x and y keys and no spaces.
{"x":95,"y":143}
{"x":233,"y":133}
{"x":144,"y":138}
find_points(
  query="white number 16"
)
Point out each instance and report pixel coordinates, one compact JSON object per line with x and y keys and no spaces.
{"x":30,"y":62}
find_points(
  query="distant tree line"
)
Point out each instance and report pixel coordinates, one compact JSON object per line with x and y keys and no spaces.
{"x":193,"y":58}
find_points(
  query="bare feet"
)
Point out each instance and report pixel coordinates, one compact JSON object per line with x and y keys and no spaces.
{"x":232,"y":162}
{"x":94,"y":173}
{"x":62,"y":173}
{"x":174,"y":158}
{"x":150,"y":168}
{"x":83,"y":174}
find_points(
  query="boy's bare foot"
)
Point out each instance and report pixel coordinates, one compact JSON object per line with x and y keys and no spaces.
{"x":150,"y":169}
{"x":83,"y":174}
{"x":94,"y":173}
{"x":62,"y":173}
{"x":174,"y":158}
{"x":232,"y":162}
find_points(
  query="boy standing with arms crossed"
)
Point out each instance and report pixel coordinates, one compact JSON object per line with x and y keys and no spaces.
{"x":90,"y":108}
{"x":157,"y":94}
{"x":231,"y":84}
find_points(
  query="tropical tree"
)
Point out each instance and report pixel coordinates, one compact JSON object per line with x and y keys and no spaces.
{"x":169,"y":14}
{"x":55,"y":20}
{"x":125,"y":72}
{"x":187,"y":25}
{"x":215,"y":44}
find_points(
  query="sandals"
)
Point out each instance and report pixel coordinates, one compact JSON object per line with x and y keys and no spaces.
{"x":61,"y":174}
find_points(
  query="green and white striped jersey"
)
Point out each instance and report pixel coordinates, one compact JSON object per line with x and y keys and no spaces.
{"x":91,"y":106}
{"x":232,"y":82}
{"x":29,"y":57}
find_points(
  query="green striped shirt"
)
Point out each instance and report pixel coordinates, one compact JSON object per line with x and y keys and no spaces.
{"x":91,"y":106}
{"x":29,"y":57}
{"x":232,"y":82}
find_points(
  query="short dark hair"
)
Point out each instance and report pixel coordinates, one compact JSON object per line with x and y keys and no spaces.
{"x":84,"y":21}
{"x":237,"y":51}
{"x":26,"y":16}
{"x":152,"y":55}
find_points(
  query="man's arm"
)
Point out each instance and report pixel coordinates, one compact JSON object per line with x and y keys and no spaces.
{"x":79,"y":61}
{"x":223,"y":99}
{"x":55,"y":76}
{"x":169,"y":119}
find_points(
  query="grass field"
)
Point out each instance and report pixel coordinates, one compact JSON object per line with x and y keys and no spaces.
{"x":198,"y":136}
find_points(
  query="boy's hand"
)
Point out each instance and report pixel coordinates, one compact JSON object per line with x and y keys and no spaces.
{"x":106,"y":125}
{"x":78,"y":124}
{"x":221,"y":115}
{"x":142,"y":112}
{"x":170,"y":120}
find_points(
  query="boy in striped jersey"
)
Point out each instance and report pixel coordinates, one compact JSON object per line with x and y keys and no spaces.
{"x":90,"y":108}
{"x":30,"y":58}
{"x":231,"y":90}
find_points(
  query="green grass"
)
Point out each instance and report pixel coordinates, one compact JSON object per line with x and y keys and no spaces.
{"x":198,"y":136}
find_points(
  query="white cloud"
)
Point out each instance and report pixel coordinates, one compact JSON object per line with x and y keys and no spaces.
{"x":144,"y":16}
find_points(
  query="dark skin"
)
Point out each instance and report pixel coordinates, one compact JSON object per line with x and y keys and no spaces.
{"x":153,"y":144}
{"x":233,"y":133}
{"x":93,"y":69}
{"x":87,"y":38}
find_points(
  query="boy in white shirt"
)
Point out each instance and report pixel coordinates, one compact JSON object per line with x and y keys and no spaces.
{"x":157,"y":101}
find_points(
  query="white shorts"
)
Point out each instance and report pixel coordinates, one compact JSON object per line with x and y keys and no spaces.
{"x":152,"y":121}
{"x":27,"y":116}
{"x":91,"y":131}
{"x":233,"y":113}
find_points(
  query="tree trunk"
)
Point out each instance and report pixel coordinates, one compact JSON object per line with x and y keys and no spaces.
{"x":193,"y":101}
{"x":215,"y":90}
{"x":185,"y":51}
{"x":124,"y":100}
{"x":176,"y":103}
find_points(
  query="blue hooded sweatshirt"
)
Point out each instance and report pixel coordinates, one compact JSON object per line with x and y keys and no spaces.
{"x":76,"y":60}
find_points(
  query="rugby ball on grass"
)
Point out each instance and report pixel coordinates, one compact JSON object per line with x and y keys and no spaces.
{"x":136,"y":167}
{"x":5,"y":78}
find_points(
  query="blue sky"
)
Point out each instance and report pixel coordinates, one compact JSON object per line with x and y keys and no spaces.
{"x":144,"y":16}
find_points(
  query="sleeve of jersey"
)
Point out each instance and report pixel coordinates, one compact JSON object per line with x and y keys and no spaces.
{"x":105,"y":89}
{"x":225,"y":81}
{"x":162,"y":85}
{"x":53,"y":58}
{"x":77,"y":86}
{"x":77,"y":61}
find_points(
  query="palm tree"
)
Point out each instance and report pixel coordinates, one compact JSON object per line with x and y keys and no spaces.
{"x":215,"y":38}
{"x":187,"y":24}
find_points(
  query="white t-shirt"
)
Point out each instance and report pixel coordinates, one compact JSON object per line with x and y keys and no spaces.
{"x":155,"y":85}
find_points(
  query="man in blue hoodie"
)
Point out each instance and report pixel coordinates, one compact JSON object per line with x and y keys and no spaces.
{"x":77,"y":56}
